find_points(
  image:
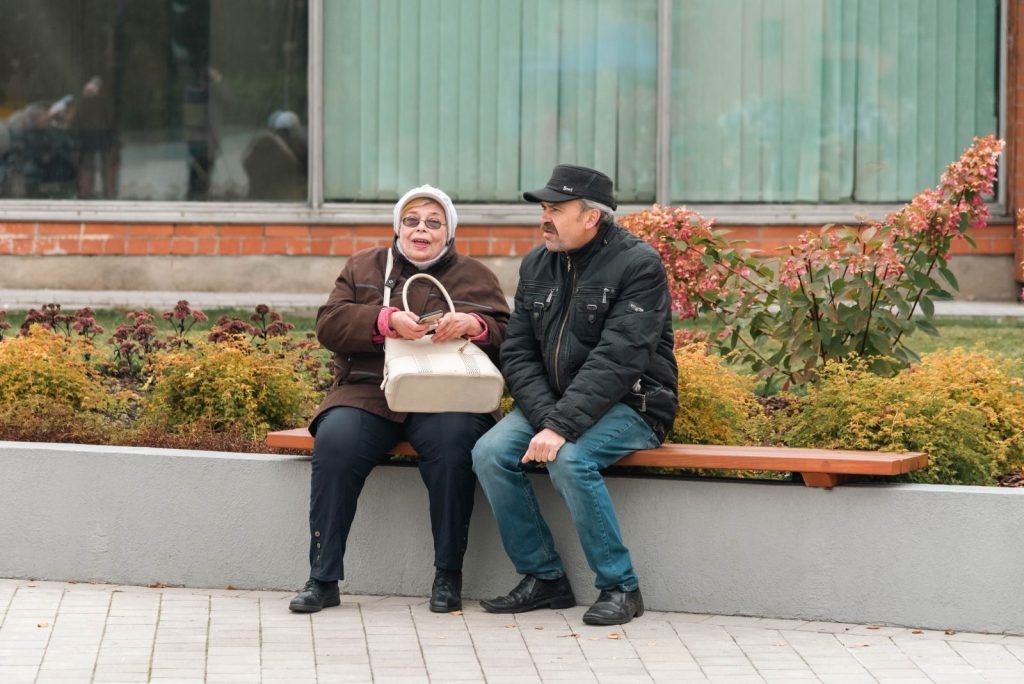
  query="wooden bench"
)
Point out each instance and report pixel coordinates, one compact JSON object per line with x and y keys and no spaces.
{"x":818,"y":467}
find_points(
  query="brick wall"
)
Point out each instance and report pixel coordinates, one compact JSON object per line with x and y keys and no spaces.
{"x":142,"y":239}
{"x":157,"y":239}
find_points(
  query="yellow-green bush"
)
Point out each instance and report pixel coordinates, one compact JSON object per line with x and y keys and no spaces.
{"x":716,"y":404}
{"x":965,"y":408}
{"x":50,"y":391}
{"x":226,"y":386}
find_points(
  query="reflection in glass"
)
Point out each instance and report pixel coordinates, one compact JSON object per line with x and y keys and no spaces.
{"x":152,"y":99}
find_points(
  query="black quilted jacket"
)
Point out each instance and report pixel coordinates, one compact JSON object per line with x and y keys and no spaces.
{"x":591,"y":328}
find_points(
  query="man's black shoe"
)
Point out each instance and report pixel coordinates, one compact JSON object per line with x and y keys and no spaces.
{"x":315,"y":596}
{"x":533,"y":593}
{"x":446,"y":595}
{"x":615,"y":607}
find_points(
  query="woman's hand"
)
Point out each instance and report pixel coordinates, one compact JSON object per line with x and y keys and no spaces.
{"x":455,"y":325}
{"x":407,"y":325}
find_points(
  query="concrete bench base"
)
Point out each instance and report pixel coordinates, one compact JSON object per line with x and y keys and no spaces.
{"x":914,"y":555}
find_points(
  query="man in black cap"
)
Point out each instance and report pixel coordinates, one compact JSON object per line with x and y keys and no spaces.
{"x":588,"y":359}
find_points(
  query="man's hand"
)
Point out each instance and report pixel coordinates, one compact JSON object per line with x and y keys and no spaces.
{"x":544,"y":446}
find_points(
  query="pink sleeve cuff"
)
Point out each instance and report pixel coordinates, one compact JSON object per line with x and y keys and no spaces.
{"x":482,"y":337}
{"x":384,"y":328}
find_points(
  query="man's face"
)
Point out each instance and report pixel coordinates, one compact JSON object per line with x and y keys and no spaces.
{"x":567,"y":225}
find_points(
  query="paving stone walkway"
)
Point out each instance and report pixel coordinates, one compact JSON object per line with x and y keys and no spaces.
{"x":56,"y":632}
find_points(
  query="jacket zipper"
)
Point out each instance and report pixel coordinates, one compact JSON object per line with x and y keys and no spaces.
{"x":638,"y":390}
{"x":570,"y":291}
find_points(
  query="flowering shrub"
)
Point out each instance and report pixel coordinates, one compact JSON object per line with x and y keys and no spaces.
{"x":43,"y":400}
{"x":148,"y":388}
{"x":50,"y":317}
{"x":131,"y":343}
{"x":182,"y":317}
{"x":716,"y":404}
{"x":839,"y":292}
{"x":1018,"y":255}
{"x":696,"y":257}
{"x":220,"y":386}
{"x":964,"y":408}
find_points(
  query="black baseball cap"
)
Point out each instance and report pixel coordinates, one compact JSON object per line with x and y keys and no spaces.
{"x":569,"y":182}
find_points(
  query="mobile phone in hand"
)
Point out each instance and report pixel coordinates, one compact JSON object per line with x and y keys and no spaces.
{"x":430,"y":318}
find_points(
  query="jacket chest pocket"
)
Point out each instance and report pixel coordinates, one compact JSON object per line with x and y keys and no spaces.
{"x":538,"y":301}
{"x":591,"y":306}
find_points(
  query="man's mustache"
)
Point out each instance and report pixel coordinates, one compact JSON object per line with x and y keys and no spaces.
{"x":547,"y":225}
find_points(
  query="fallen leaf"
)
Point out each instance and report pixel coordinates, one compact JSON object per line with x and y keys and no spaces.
{"x":538,"y":627}
{"x":43,"y":624}
{"x":950,"y":631}
{"x":231,"y":587}
{"x":456,"y":613}
{"x":652,"y":643}
{"x":510,"y":626}
{"x":614,"y":635}
{"x":917,"y":631}
{"x":874,"y":627}
{"x":572,"y":635}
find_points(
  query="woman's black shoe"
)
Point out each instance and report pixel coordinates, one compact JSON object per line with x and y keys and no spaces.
{"x":315,"y":596}
{"x":533,"y":593}
{"x":446,"y":595}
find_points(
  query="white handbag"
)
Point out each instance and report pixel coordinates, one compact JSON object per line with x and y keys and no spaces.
{"x":421,"y":376}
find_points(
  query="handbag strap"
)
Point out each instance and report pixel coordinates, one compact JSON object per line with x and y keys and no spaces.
{"x":389,"y":282}
{"x":405,"y":290}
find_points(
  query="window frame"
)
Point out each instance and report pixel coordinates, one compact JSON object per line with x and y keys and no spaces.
{"x":318,"y":211}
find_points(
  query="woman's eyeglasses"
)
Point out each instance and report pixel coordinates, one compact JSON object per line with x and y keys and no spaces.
{"x":411,"y":221}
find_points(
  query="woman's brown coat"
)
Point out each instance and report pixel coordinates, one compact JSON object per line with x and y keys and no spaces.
{"x":347,"y":323}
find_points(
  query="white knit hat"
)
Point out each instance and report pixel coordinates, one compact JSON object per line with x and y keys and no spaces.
{"x":439,"y":196}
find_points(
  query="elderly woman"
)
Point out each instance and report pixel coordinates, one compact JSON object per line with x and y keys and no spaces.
{"x":354,"y":430}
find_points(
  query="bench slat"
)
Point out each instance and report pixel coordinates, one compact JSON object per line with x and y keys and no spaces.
{"x":778,"y":458}
{"x":818,"y":467}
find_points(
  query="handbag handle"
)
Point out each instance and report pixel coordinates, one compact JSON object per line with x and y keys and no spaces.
{"x":405,"y":290}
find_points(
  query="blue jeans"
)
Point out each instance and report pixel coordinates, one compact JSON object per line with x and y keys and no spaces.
{"x":575,"y":474}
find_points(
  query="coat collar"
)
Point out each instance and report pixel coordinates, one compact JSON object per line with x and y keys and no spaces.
{"x":581,"y":257}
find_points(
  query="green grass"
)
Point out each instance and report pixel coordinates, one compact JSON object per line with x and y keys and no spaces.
{"x":1001,"y":335}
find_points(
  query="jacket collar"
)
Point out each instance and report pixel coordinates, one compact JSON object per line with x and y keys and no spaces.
{"x":581,"y":257}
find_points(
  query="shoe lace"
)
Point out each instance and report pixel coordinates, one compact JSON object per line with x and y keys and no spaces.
{"x":313,"y":585}
{"x":445,"y":581}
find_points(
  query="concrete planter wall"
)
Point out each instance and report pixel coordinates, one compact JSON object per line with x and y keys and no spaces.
{"x":914,"y":555}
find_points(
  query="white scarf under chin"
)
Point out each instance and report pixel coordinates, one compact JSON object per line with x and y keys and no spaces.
{"x":422,"y":265}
